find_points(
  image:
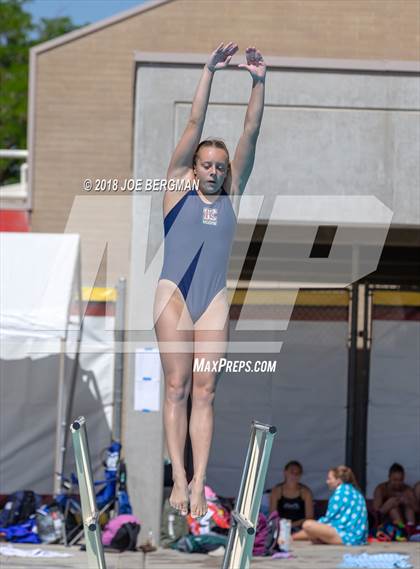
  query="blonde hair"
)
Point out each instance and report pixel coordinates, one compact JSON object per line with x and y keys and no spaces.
{"x":345,"y":474}
{"x":213,"y":142}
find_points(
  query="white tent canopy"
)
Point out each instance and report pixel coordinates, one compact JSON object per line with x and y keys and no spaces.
{"x":39,"y":283}
{"x":40,"y":295}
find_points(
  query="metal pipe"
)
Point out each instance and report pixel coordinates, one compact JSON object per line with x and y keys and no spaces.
{"x":119,"y":358}
{"x":60,"y":424}
{"x":267,"y":428}
{"x":92,"y":531}
{"x":14,"y":153}
{"x":245,"y":516}
{"x":240,"y":519}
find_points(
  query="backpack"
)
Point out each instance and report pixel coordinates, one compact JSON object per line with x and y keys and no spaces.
{"x":173,"y":526}
{"x":121,"y":532}
{"x":126,"y":537}
{"x":200,"y":543}
{"x":19,"y":507}
{"x":260,"y":536}
{"x":273,"y":532}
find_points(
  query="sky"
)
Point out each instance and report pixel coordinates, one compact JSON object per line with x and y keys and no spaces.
{"x":80,"y":11}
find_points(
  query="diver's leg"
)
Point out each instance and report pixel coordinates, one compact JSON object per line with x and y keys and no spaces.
{"x":210,"y":344}
{"x":177,"y":367}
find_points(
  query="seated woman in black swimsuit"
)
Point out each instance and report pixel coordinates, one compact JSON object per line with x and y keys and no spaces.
{"x":291,"y":499}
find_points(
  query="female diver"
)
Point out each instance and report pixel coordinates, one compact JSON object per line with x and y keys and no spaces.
{"x":191,"y":303}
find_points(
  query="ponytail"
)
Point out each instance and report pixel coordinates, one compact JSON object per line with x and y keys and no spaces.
{"x":346,"y":475}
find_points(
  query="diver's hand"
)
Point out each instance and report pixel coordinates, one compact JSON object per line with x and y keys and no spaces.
{"x":255,"y":63}
{"x":221,"y":56}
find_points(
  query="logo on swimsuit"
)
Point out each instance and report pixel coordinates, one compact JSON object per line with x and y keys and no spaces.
{"x":210,"y":215}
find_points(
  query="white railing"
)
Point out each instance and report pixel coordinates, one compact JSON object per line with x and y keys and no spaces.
{"x":17,"y":193}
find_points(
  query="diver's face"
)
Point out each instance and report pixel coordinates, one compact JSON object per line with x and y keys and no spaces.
{"x":211,"y":169}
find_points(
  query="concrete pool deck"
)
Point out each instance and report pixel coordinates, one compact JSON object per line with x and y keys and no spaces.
{"x":306,"y":557}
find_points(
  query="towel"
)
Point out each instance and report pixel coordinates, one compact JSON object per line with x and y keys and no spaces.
{"x":10,"y":551}
{"x":376,"y":561}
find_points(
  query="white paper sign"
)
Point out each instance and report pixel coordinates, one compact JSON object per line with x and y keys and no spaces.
{"x":147,"y":380}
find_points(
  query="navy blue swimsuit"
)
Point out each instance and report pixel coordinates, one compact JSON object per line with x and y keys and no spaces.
{"x":198,"y":242}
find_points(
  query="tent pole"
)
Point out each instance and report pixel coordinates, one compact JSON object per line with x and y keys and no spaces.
{"x":353,"y":308}
{"x":358,"y":381}
{"x":119,"y":358}
{"x":59,"y":435}
{"x":70,"y":398}
{"x":75,"y":368}
{"x":65,"y":402}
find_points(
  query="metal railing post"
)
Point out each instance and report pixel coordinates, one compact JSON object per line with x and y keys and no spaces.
{"x":94,"y":548}
{"x":244,"y":517}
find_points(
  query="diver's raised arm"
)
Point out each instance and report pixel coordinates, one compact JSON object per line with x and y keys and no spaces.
{"x":182,"y":158}
{"x":243,"y":160}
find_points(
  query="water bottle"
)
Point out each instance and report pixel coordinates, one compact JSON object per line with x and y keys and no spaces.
{"x":285,"y":534}
{"x":171,"y":529}
{"x":151,"y":539}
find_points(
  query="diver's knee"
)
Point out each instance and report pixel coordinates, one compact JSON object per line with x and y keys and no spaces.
{"x":176,"y":388}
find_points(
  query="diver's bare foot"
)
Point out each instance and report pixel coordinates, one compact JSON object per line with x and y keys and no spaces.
{"x":198,"y":500}
{"x":179,"y":496}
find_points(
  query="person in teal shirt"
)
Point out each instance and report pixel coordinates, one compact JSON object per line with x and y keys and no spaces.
{"x":346,"y":520}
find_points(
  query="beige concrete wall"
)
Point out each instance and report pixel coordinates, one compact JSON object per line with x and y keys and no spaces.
{"x":84,"y":88}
